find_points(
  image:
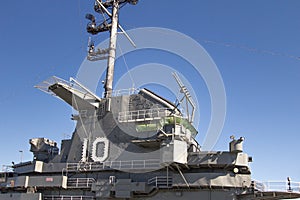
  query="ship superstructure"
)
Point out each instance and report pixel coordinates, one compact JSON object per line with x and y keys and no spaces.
{"x":132,"y":145}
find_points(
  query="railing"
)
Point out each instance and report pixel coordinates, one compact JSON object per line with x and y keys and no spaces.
{"x":279,"y":186}
{"x":65,"y":197}
{"x":7,"y":168}
{"x":121,"y":92}
{"x":73,"y":85}
{"x":84,"y":166}
{"x":161,"y":181}
{"x":44,"y":86}
{"x":132,"y":164}
{"x":80,"y":182}
{"x":156,"y":114}
{"x":143,"y":115}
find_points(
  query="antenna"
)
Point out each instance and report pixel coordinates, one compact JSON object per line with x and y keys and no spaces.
{"x":111,"y":25}
{"x":187,"y":96}
{"x":103,"y":8}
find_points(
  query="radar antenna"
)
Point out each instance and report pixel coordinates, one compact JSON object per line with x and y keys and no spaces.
{"x":187,"y":97}
{"x":111,"y":24}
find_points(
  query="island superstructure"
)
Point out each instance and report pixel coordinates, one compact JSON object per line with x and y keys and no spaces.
{"x":132,"y":145}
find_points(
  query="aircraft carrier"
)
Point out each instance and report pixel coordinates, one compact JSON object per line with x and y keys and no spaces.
{"x":133,"y":144}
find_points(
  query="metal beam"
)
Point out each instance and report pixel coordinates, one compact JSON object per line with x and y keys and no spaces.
{"x":112,"y":50}
{"x":120,"y":27}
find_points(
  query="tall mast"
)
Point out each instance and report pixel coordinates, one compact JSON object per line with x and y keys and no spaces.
{"x":112,"y":50}
{"x":111,"y":25}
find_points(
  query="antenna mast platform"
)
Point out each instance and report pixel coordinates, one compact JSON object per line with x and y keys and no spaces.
{"x":112,"y":26}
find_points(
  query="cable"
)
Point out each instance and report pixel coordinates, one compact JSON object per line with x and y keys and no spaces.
{"x":81,"y":25}
{"x":250,"y":49}
{"x":130,"y":75}
{"x":239,"y":46}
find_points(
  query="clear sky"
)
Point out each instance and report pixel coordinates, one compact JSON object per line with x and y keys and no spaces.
{"x":255,"y":45}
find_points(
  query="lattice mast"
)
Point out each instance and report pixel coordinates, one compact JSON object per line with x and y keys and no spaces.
{"x":112,"y":25}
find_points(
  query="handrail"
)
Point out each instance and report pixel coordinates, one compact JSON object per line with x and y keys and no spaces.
{"x":123,"y":164}
{"x":75,"y":85}
{"x":282,"y":186}
{"x":161,"y":181}
{"x":6,"y":168}
{"x":121,"y":92}
{"x":156,"y":114}
{"x":143,"y":115}
{"x":44,"y":86}
{"x":80,"y":182}
{"x":67,"y":197}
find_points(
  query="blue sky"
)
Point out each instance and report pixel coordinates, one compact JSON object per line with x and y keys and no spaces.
{"x":255,"y":45}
